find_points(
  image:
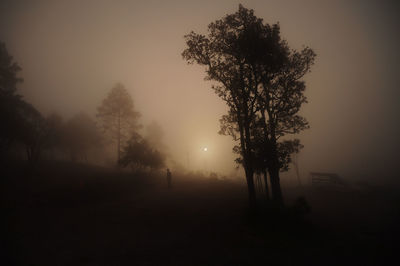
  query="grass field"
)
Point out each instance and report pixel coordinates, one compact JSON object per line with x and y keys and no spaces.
{"x":69,"y":214}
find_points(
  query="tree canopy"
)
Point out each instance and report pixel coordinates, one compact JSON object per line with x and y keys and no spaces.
{"x":259,"y":77}
{"x":8,"y":72}
{"x":24,"y":124}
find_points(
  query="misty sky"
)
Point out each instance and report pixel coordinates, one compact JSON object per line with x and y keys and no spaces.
{"x":73,"y":52}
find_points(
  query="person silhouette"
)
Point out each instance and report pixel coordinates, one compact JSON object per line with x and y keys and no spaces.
{"x":169,"y":178}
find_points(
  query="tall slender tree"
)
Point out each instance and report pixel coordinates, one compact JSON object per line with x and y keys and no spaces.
{"x":118,"y":117}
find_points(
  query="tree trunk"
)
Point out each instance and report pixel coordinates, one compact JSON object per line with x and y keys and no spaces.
{"x":250,"y":186}
{"x":249,"y":163}
{"x":274,"y":170}
{"x":266,"y":184}
{"x":275,"y":184}
{"x":247,"y":167}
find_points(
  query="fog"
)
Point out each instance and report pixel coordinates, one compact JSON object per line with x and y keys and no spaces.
{"x":110,"y":152}
{"x":73,"y":52}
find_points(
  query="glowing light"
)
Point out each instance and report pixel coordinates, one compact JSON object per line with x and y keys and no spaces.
{"x":205,"y":149}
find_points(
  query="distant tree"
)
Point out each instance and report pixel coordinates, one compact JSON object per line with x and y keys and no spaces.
{"x":81,"y":135}
{"x":10,"y":120}
{"x":10,"y":102}
{"x":32,"y":131}
{"x":21,"y":122}
{"x":8,"y":72}
{"x":118,"y":116}
{"x":155,"y":160}
{"x":139,"y":154}
{"x":258,"y":77}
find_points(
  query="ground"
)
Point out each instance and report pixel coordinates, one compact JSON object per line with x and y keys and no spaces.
{"x":68,"y":214}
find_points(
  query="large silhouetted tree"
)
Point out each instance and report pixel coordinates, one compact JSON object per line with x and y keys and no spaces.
{"x":222,"y":55}
{"x":258,"y":76}
{"x":118,"y":116}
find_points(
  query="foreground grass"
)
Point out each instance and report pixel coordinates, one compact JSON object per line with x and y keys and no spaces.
{"x":68,"y":214}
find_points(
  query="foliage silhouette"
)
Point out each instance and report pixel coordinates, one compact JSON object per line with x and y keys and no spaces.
{"x":32,"y":131}
{"x":138,"y":154}
{"x":23,"y":123}
{"x":258,"y":77}
{"x":10,"y":102}
{"x":9,"y":70}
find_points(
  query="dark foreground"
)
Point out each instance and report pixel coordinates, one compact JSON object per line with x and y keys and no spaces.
{"x":80,"y":215}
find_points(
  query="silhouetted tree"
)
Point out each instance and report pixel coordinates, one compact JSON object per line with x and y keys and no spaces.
{"x":118,"y":116}
{"x":264,"y":157}
{"x":222,"y":54}
{"x":22,"y":123}
{"x":280,"y":97}
{"x":258,"y":76}
{"x":285,"y":149}
{"x":139,"y":154}
{"x":229,"y":52}
{"x":8,"y":72}
{"x":261,"y":155}
{"x":10,"y":102}
{"x":10,"y":120}
{"x":32,"y":131}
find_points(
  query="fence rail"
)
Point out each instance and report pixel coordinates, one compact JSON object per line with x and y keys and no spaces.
{"x":325,"y":178}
